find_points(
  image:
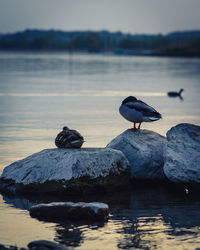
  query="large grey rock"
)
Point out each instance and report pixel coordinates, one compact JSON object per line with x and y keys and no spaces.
{"x":144,"y":150}
{"x":95,"y":211}
{"x":64,"y":167}
{"x":182,"y":154}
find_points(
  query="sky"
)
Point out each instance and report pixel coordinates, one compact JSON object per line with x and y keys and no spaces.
{"x":128,"y":16}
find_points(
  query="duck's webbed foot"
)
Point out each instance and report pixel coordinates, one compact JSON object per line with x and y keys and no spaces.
{"x":134,"y":126}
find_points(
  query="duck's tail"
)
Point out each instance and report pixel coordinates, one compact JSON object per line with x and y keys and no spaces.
{"x":152,"y":116}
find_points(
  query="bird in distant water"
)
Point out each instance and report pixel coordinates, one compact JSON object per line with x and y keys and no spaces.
{"x":69,"y":138}
{"x":137,"y":111}
{"x":175,"y":94}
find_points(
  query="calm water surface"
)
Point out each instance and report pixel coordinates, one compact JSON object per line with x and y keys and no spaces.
{"x":42,"y":92}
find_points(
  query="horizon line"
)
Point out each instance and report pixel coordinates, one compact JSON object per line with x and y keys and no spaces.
{"x":101,"y":30}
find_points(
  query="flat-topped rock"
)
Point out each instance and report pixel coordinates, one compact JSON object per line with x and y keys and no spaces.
{"x":144,"y":151}
{"x":46,"y":245}
{"x":95,"y":211}
{"x":182,"y":154}
{"x":68,"y":169}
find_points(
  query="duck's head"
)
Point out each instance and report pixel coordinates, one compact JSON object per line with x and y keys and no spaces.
{"x":65,"y":128}
{"x":129,"y":99}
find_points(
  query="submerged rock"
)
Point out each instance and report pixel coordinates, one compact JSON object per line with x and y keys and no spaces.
{"x":38,"y":245}
{"x":182,"y":154}
{"x":46,"y":245}
{"x":8,"y":247}
{"x":95,"y":211}
{"x":144,"y":150}
{"x":54,"y":170}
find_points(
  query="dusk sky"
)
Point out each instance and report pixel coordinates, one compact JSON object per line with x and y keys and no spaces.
{"x":133,"y":16}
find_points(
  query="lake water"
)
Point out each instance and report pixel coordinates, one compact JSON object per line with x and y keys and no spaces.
{"x":42,"y":92}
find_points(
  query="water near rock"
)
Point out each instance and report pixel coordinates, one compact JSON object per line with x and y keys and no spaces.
{"x":42,"y":91}
{"x":182,"y":154}
{"x":64,"y":168}
{"x":144,"y":150}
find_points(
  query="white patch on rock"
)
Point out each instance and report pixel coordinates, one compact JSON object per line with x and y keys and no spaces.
{"x":144,"y":151}
{"x":95,"y":206}
{"x":182,"y":153}
{"x":65,"y":164}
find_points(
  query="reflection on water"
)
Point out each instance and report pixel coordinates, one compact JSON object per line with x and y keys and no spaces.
{"x":144,"y":219}
{"x":16,"y":226}
{"x":42,"y":92}
{"x":85,"y":93}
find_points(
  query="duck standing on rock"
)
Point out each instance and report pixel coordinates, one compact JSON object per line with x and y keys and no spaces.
{"x":69,"y":138}
{"x":137,"y":111}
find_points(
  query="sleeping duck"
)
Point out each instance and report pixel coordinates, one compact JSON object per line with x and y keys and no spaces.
{"x":137,"y":111}
{"x":69,"y":138}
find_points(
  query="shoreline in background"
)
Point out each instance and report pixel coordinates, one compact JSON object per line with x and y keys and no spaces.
{"x":182,"y":43}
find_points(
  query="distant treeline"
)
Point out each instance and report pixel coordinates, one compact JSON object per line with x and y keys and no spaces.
{"x":176,"y":43}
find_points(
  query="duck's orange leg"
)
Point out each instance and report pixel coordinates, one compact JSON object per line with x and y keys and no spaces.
{"x":134,"y":126}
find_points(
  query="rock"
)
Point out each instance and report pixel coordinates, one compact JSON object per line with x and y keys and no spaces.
{"x":182,"y":154}
{"x":38,"y":245}
{"x":69,"y":170}
{"x":81,"y":211}
{"x":144,"y":150}
{"x":46,"y":245}
{"x":3,"y":247}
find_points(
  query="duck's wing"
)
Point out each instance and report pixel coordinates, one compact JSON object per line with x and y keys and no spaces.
{"x":75,"y":139}
{"x":144,"y":108}
{"x":74,"y":135}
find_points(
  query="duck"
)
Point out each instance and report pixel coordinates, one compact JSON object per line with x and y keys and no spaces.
{"x":137,"y":111}
{"x":174,"y":93}
{"x":69,"y":138}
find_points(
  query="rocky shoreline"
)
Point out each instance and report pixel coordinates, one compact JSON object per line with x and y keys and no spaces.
{"x":133,"y":157}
